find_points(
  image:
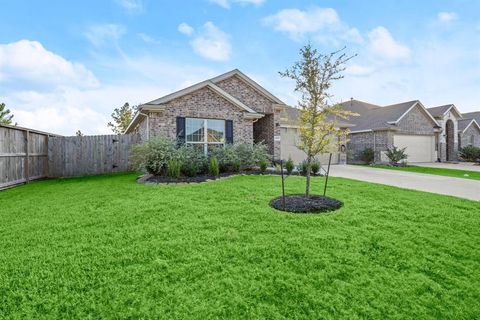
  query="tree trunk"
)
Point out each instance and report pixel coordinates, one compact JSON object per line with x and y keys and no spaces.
{"x":307,"y":184}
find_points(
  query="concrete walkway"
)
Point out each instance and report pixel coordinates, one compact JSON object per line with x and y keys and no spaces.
{"x":462,"y":188}
{"x":469,"y":166}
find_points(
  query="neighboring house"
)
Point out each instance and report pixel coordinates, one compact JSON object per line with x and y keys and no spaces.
{"x":469,"y":132}
{"x":405,"y":125}
{"x":229,"y":108}
{"x":448,"y":117}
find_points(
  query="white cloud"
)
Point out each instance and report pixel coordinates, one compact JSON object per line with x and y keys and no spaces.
{"x":103,"y":34}
{"x":212,"y":43}
{"x":29,"y":62}
{"x":359,"y":70}
{"x":227,"y":3}
{"x":296,"y":23}
{"x":185,"y":28}
{"x":132,"y":6}
{"x":148,"y":39}
{"x":383,"y":45}
{"x":446,"y":17}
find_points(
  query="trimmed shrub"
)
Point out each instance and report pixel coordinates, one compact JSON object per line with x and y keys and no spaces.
{"x":367,"y":155}
{"x":173,"y":168}
{"x":263,"y":166}
{"x":213,"y":167}
{"x":302,"y":167}
{"x":154,"y":155}
{"x":236,"y":166}
{"x":289,"y":166}
{"x":470,"y":153}
{"x":315,"y":166}
{"x":194,"y":161}
{"x":242,"y":156}
{"x":395,"y":155}
{"x":227,"y":157}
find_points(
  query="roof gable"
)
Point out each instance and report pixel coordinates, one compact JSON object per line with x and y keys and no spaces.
{"x":441,"y":111}
{"x":416,"y":103}
{"x":249,"y":82}
{"x":463,"y":125}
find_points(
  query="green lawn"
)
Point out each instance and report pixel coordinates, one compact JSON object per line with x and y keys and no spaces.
{"x":475,"y":175}
{"x":106,"y":247}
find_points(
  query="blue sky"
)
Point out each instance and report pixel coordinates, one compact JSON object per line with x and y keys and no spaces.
{"x":65,"y":65}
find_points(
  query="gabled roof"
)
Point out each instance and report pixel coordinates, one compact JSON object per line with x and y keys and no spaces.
{"x":198,"y":86}
{"x":251,"y":82}
{"x":464,"y":124}
{"x":291,"y":115}
{"x":381,"y":118}
{"x":358,"y":106}
{"x":472,"y":115}
{"x":440,"y":111}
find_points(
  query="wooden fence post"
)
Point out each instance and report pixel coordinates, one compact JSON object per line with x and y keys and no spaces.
{"x":27,"y":156}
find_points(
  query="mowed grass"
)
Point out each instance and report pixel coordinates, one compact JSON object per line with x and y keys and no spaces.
{"x":109,"y":248}
{"x":457,"y":173}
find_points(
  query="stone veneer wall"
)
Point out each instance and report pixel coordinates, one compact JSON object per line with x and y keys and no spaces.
{"x":416,"y":122}
{"x":203,"y":103}
{"x":442,"y":142}
{"x":466,"y":137}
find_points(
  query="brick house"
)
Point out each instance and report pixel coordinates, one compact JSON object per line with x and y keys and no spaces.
{"x":469,"y":130}
{"x":229,"y":108}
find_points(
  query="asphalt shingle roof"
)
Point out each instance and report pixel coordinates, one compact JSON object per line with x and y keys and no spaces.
{"x":472,"y":115}
{"x":438,"y":111}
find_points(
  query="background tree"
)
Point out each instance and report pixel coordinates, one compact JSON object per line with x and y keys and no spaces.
{"x":121,"y":118}
{"x":5,"y":114}
{"x":79,"y":133}
{"x":313,"y":75}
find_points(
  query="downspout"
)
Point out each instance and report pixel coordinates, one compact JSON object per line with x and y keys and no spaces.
{"x":148,"y":124}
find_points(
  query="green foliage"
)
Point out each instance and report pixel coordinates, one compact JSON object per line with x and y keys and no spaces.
{"x":367,"y":155}
{"x":173,"y":168}
{"x":241,"y":156}
{"x":227,"y":157}
{"x":5,"y":114}
{"x":289,"y":166}
{"x":121,"y":118}
{"x":154,"y":155}
{"x":236,"y":165}
{"x":395,"y":155}
{"x":470,"y":153}
{"x":303,"y":168}
{"x":315,"y":167}
{"x":193,"y":160}
{"x":213,"y":167}
{"x":106,"y":247}
{"x":263,"y":166}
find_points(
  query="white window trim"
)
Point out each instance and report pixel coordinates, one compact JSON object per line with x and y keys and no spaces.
{"x":205,"y":134}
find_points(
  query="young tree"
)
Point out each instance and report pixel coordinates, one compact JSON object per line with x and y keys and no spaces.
{"x":5,"y":114}
{"x":313,"y":75}
{"x":121,"y":118}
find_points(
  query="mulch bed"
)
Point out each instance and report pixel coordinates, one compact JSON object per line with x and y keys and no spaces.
{"x":299,"y":203}
{"x":153,"y":179}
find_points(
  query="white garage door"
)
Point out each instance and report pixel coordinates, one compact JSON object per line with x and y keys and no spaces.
{"x":288,"y":148}
{"x":418,"y":148}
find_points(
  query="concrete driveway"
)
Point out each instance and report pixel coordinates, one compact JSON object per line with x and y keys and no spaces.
{"x":470,"y":166}
{"x":462,"y":188}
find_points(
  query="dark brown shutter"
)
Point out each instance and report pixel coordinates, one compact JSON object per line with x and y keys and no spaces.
{"x":229,"y":131}
{"x":180,"y":130}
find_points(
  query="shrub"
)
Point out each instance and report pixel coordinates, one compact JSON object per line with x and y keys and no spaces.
{"x":289,"y":166}
{"x":315,"y":167}
{"x":236,"y":166}
{"x":395,"y":155}
{"x":367,"y":155}
{"x":214,"y":168}
{"x":227,"y":157}
{"x":240,"y":156}
{"x":193,"y":161}
{"x":173,"y":168}
{"x":302,"y":167}
{"x":470,"y":153}
{"x":154,"y":155}
{"x":263,"y":166}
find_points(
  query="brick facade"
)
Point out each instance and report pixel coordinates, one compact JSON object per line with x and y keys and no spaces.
{"x":470,"y":137}
{"x":203,"y":103}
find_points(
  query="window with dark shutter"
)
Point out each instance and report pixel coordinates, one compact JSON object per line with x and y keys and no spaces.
{"x":229,"y":131}
{"x":180,"y":130}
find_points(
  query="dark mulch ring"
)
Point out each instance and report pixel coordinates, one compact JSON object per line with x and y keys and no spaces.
{"x":299,"y":203}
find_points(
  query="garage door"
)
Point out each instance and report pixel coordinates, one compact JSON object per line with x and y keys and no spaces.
{"x":288,"y":148}
{"x":418,"y":148}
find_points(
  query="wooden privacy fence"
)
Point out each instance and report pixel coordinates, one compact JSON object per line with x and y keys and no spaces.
{"x":27,"y":154}
{"x":89,"y":155}
{"x":23,"y":155}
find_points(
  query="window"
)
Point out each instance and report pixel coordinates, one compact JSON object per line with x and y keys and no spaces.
{"x":206,"y":134}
